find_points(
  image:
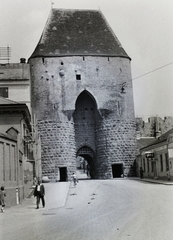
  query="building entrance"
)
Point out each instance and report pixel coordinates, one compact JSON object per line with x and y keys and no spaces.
{"x":63,"y":174}
{"x":117,"y":170}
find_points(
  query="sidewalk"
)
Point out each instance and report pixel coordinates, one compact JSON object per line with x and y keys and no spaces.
{"x":156,"y":181}
{"x":55,"y":197}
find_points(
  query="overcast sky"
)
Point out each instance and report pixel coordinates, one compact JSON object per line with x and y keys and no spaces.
{"x":144,"y":28}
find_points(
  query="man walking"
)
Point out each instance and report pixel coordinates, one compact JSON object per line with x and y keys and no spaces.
{"x":39,"y":192}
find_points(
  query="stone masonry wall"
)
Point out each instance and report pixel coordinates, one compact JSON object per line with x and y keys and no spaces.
{"x":154,"y":126}
{"x":116,"y":143}
{"x":85,"y":136}
{"x":58,"y":147}
{"x":55,"y":90}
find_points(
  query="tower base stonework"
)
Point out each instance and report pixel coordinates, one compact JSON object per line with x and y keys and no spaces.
{"x":115,"y":145}
{"x":58,"y":149}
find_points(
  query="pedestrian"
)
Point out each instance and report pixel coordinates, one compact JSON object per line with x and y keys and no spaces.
{"x":74,"y":179}
{"x":34,"y":181}
{"x":141,"y":172}
{"x":2,"y":198}
{"x":39,"y":193}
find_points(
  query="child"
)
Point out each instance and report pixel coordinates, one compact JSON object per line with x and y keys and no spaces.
{"x":2,"y":198}
{"x":74,"y":179}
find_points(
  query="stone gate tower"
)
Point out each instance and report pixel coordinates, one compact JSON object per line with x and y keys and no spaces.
{"x":82,"y":96}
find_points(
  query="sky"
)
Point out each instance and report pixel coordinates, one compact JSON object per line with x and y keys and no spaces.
{"x":144,"y":28}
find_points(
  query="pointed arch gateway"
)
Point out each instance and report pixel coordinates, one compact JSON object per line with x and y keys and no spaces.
{"x":85,"y":119}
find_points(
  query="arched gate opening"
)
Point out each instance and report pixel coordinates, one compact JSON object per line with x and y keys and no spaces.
{"x":88,"y":155}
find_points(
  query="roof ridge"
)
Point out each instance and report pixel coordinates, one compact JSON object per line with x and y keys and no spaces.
{"x":75,"y":9}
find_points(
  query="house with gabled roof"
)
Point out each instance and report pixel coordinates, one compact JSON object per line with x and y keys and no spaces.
{"x":156,"y":158}
{"x":82,"y":96}
{"x":17,"y":161}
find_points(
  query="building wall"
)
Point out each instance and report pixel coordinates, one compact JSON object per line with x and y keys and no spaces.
{"x":57,"y":84}
{"x":10,"y":120}
{"x":163,"y":170}
{"x":57,"y":147}
{"x":55,"y":91}
{"x":16,"y":173}
{"x":9,"y":168}
{"x":115,"y":144}
{"x":16,"y":77}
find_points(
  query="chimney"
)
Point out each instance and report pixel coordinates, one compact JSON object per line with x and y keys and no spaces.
{"x":22,"y":60}
{"x":157,"y":130}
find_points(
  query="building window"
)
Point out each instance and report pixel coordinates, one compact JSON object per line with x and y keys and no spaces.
{"x":4,"y":92}
{"x":78,"y":77}
{"x":152,"y":166}
{"x":148,"y":166}
{"x":161,"y":163}
{"x":167,"y":163}
{"x":144,"y":164}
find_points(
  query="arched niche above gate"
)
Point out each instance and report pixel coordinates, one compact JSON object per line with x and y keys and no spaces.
{"x":86,"y":108}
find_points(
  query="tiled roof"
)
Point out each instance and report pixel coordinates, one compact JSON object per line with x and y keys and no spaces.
{"x":78,"y":32}
{"x":161,"y":139}
{"x":142,"y":142}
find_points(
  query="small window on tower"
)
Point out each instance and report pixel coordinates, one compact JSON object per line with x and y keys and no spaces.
{"x":78,"y":77}
{"x":4,"y":92}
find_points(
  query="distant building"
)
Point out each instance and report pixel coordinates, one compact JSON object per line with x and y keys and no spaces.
{"x":156,"y":158}
{"x":82,"y":96}
{"x":15,"y":82}
{"x":155,"y":126}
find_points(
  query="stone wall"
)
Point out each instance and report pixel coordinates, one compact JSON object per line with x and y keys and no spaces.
{"x":58,"y":147}
{"x":154,"y":127}
{"x":116,"y":143}
{"x":56,"y":87}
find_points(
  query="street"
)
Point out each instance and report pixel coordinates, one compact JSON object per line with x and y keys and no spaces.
{"x":96,"y":210}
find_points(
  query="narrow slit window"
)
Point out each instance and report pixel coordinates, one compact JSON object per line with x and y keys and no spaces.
{"x":78,"y":77}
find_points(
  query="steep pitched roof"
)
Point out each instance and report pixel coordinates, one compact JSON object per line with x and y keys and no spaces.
{"x":78,"y":32}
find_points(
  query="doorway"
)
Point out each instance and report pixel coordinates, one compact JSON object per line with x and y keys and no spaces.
{"x":117,"y":170}
{"x":63,"y":174}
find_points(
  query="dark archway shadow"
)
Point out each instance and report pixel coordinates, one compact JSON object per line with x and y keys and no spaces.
{"x":88,"y":155}
{"x":89,"y":167}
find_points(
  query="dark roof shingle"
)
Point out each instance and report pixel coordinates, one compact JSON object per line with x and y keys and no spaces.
{"x":78,"y":32}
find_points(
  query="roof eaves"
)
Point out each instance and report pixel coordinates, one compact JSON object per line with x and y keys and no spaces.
{"x":20,"y":107}
{"x":154,"y":143}
{"x":7,"y":137}
{"x":72,"y":55}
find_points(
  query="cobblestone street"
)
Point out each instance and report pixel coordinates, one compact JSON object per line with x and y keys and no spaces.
{"x":95,"y":210}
